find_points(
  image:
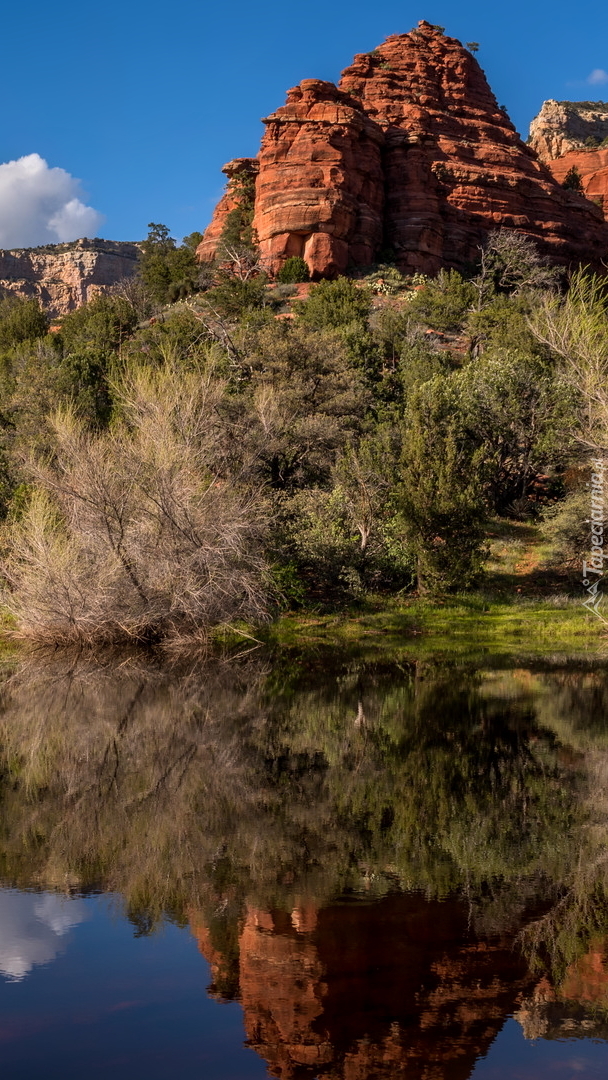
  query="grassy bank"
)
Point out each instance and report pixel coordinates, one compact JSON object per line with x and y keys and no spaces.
{"x":525,"y":609}
{"x":452,"y":626}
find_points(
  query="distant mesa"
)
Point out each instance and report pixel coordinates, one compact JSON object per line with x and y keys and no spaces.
{"x":410,"y":158}
{"x":64,"y":276}
{"x":562,"y":126}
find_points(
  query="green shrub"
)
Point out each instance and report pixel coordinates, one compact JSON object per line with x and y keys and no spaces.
{"x":440,"y":495}
{"x":443,"y":302}
{"x":103,"y":323}
{"x":335,"y":304}
{"x":573,"y":180}
{"x":179,"y":337}
{"x":233,"y":297}
{"x":21,"y":320}
{"x":323,"y":550}
{"x":566,"y":527}
{"x":293,"y":270}
{"x":83,"y":379}
{"x":167,"y":271}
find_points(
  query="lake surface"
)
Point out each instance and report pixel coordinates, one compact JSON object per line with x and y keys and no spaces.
{"x":311,"y":867}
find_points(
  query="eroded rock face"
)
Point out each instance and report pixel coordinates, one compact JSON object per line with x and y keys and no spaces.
{"x":67,"y":275}
{"x":411,"y":154}
{"x":320,"y":190}
{"x":562,"y":126}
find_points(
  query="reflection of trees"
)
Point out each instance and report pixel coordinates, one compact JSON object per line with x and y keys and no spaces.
{"x":572,"y":705}
{"x":227,"y":779}
{"x":124,"y":776}
{"x":446,"y":787}
{"x":245,"y":797}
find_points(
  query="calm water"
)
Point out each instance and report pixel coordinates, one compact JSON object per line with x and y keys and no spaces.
{"x":304,"y":869}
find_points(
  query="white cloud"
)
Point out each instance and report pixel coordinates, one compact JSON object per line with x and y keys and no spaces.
{"x":40,"y":205}
{"x":597,"y":77}
{"x":32,"y":926}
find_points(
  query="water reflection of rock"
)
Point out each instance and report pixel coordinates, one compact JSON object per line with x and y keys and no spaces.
{"x":356,"y":990}
{"x":577,"y":1007}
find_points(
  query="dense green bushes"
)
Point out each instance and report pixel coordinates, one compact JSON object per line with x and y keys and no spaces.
{"x":293,"y":270}
{"x":168,"y":272}
{"x":20,"y":320}
{"x":376,"y":435}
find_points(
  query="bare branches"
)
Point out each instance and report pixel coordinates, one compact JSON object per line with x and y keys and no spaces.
{"x":575,"y":328}
{"x":132,"y":535}
{"x":511,"y":263}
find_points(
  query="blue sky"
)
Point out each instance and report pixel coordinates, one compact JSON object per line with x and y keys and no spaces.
{"x":144,"y":102}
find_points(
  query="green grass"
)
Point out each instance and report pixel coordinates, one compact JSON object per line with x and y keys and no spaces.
{"x":525,"y":606}
{"x":458,"y":625}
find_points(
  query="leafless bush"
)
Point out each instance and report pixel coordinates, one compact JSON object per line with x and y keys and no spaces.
{"x":575,"y":328}
{"x":131,"y":534}
{"x":133,"y":289}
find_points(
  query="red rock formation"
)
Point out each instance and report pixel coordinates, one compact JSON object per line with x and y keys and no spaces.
{"x":236,"y":171}
{"x":562,"y":126}
{"x":411,"y":152}
{"x":320,"y":189}
{"x":454,"y":164}
{"x":593,"y":168}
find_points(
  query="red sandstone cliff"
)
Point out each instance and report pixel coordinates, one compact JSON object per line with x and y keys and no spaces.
{"x":320,"y":189}
{"x":410,"y":153}
{"x":592,"y":165}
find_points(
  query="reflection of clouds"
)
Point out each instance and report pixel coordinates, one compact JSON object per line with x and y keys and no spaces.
{"x":31,"y":928}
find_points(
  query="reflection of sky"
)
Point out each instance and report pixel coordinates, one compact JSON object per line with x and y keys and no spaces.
{"x":513,"y":1057}
{"x":32,"y":929}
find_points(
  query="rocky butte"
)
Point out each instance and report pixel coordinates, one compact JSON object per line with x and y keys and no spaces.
{"x":409,"y":157}
{"x":574,"y":135}
{"x":64,"y":276}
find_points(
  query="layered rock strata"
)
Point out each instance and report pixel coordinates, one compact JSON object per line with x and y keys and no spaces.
{"x":563,"y":135}
{"x":320,"y":189}
{"x":409,"y":157}
{"x":64,"y":276}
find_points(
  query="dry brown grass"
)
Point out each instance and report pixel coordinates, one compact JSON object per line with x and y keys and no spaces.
{"x":132,"y":534}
